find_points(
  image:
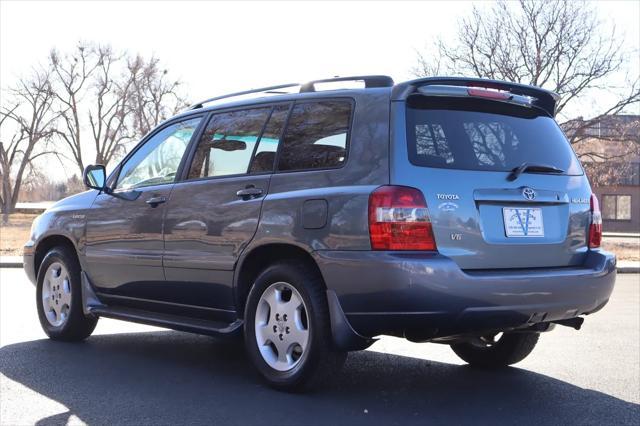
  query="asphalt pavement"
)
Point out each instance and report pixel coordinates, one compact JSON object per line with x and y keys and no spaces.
{"x":138,"y":375}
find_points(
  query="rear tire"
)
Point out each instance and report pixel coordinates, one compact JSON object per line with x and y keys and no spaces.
{"x":59,"y":297}
{"x":486,"y":353}
{"x":292,"y":348}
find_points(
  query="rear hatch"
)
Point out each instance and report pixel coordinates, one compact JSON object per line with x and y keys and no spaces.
{"x":503,"y":186}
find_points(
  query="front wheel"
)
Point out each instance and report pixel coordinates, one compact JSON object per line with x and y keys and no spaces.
{"x":287,"y":329}
{"x":496,"y":351}
{"x":59,"y":298}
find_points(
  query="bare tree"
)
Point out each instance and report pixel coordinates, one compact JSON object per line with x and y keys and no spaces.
{"x":32,"y":119}
{"x":559,"y":45}
{"x":38,"y":185}
{"x":89,"y":102}
{"x":155,"y":97}
{"x":107,"y":98}
{"x":112,"y":90}
{"x":72,"y":74}
{"x":608,"y":148}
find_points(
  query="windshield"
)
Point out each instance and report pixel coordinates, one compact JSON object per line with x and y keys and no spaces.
{"x":476,"y":134}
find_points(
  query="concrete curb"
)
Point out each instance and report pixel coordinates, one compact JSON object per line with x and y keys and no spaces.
{"x":628,"y":269}
{"x":624,"y":267}
{"x":620,"y":235}
{"x":10,"y":261}
{"x":10,"y":265}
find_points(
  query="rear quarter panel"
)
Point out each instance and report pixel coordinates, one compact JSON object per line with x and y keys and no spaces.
{"x":295,"y":196}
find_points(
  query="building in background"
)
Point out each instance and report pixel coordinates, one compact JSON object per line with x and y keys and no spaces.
{"x":610,"y":153}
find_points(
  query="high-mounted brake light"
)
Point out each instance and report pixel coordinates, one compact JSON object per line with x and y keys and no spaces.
{"x":399,"y":220}
{"x":595,"y":227}
{"x":489,"y":94}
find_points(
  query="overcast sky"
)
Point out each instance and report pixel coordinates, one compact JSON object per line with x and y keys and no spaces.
{"x":218,"y":47}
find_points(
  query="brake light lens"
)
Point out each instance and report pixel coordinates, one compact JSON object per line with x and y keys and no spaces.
{"x":595,"y":228}
{"x":399,"y":220}
{"x":489,"y":94}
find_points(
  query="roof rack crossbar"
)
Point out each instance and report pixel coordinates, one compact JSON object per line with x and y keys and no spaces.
{"x":244,"y":92}
{"x":370,"y":81}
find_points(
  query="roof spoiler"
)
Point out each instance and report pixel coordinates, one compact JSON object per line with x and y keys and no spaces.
{"x":540,"y":98}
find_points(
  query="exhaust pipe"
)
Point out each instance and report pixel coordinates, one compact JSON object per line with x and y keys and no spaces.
{"x":571,"y":322}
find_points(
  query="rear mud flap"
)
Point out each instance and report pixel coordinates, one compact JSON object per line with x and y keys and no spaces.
{"x":345,"y":338}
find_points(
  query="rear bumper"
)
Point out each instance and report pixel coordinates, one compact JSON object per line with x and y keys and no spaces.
{"x":425,"y":296}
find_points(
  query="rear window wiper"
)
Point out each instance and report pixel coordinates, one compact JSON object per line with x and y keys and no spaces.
{"x":532,"y":167}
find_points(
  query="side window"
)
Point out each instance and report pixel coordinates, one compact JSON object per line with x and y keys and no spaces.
{"x":316,"y":136}
{"x":157,"y":161}
{"x":268,"y":145}
{"x":227,"y":143}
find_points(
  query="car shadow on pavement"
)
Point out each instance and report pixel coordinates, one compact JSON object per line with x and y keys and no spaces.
{"x":178,"y":378}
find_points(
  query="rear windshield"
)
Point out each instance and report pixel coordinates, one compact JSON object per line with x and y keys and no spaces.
{"x":476,"y":134}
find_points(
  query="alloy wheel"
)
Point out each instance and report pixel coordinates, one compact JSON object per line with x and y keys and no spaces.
{"x":56,"y":294}
{"x":282,"y":326}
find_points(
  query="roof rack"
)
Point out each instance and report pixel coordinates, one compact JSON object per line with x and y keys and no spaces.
{"x":370,"y":81}
{"x":244,"y":92}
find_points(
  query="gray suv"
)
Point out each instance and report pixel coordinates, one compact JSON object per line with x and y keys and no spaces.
{"x":311,"y":218}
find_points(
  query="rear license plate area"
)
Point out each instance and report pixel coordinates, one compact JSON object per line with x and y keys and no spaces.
{"x":523,"y":222}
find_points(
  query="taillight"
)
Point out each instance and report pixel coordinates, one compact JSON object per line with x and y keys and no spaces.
{"x":399,"y":220}
{"x":595,"y":228}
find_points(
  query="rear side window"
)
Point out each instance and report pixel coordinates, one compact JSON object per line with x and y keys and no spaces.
{"x":228,"y":142}
{"x":316,"y":136}
{"x":475,"y":134}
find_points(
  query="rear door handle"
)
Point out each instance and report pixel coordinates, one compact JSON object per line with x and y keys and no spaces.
{"x":249,"y":192}
{"x":154,"y":201}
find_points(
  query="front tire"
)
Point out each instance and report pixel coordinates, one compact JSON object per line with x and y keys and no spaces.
{"x":59,"y":297}
{"x":492,"y":352}
{"x":287,"y":328}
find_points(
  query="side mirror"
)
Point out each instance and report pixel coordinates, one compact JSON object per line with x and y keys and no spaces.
{"x":95,"y":177}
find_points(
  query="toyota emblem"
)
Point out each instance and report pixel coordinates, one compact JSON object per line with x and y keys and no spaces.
{"x":529,"y":194}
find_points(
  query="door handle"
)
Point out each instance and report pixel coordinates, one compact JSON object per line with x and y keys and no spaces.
{"x":249,"y":192}
{"x":154,"y":201}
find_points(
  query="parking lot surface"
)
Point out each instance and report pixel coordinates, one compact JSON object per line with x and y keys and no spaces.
{"x":132,"y":374}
